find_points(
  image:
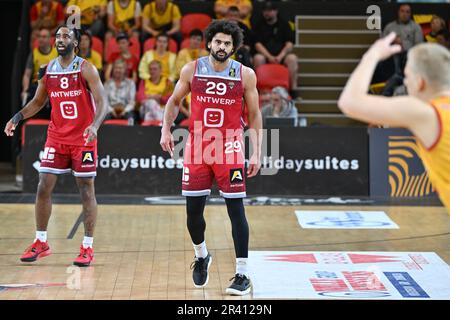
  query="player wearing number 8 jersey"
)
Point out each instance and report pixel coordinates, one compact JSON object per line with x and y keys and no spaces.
{"x":215,"y":150}
{"x":78,"y":103}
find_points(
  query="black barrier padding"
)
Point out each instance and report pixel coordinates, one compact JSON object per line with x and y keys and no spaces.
{"x":313,"y":161}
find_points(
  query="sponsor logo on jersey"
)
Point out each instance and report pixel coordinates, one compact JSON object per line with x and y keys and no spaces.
{"x":87,"y":157}
{"x":75,"y":65}
{"x":236,"y":176}
{"x":232,"y":72}
{"x":231,"y":85}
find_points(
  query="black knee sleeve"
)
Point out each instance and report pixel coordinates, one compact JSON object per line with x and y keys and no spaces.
{"x":239,"y":226}
{"x":195,"y":221}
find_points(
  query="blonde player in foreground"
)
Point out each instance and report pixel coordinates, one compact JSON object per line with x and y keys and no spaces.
{"x":425,"y":111}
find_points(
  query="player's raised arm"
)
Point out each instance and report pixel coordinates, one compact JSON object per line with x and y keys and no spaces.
{"x":254,"y":119}
{"x":357,"y":103}
{"x":182,"y":88}
{"x":91,"y":76}
{"x":405,"y":111}
{"x":32,"y":107}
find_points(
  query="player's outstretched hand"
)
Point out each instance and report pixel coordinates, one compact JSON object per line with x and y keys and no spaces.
{"x":254,"y":166}
{"x":9,"y":128}
{"x":90,"y":134}
{"x":166,"y":142}
{"x":385,"y":47}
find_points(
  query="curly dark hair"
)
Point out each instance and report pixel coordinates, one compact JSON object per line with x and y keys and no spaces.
{"x":227,"y":27}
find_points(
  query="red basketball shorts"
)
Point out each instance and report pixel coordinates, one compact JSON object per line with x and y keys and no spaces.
{"x":58,"y":158}
{"x":222,"y":160}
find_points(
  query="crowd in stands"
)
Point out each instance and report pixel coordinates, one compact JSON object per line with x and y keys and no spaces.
{"x":140,"y":47}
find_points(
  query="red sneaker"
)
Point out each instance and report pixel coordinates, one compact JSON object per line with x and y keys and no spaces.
{"x":85,"y":257}
{"x":36,"y":251}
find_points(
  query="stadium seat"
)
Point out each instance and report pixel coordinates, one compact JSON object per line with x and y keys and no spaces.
{"x":272,"y":75}
{"x":191,"y":21}
{"x":97,"y":45}
{"x":185,"y":44}
{"x":116,"y":122}
{"x":149,"y":44}
{"x":426,"y":28}
{"x":152,"y":123}
{"x":135,"y":48}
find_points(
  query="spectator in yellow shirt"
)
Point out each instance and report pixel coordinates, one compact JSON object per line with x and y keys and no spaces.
{"x":161,"y":16}
{"x":437,"y":24}
{"x":245,"y":8}
{"x":192,"y":53}
{"x":123,"y":16}
{"x":158,"y":89}
{"x":39,"y":56}
{"x":161,"y":54}
{"x":87,"y":53}
{"x":93,"y":13}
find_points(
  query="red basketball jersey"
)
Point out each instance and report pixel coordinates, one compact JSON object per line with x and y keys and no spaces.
{"x":73,"y":106}
{"x":217,"y":98}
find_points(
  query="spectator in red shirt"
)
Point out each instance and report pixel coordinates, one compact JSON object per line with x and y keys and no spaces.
{"x":48,"y":14}
{"x":132,"y":61}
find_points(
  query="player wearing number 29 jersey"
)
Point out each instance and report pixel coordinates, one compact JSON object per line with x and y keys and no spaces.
{"x":215,"y":149}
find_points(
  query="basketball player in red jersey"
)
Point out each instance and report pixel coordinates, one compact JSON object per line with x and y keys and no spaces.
{"x":219,"y":87}
{"x":78,"y":105}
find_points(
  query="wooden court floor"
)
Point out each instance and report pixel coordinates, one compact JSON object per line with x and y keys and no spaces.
{"x":144,"y":252}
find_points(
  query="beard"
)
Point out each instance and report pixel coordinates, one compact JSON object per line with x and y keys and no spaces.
{"x":219,"y":58}
{"x":67,"y":50}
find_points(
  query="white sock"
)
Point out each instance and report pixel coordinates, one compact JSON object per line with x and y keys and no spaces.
{"x":87,"y":242}
{"x":200,"y":250}
{"x":242,"y":266}
{"x":41,"y":236}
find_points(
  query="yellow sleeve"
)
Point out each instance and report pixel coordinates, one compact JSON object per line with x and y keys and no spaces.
{"x":182,"y":58}
{"x":146,"y":11}
{"x":246,"y":3}
{"x":168,"y":88}
{"x":96,"y":60}
{"x":176,"y":12}
{"x":143,"y":65}
{"x":172,"y":67}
